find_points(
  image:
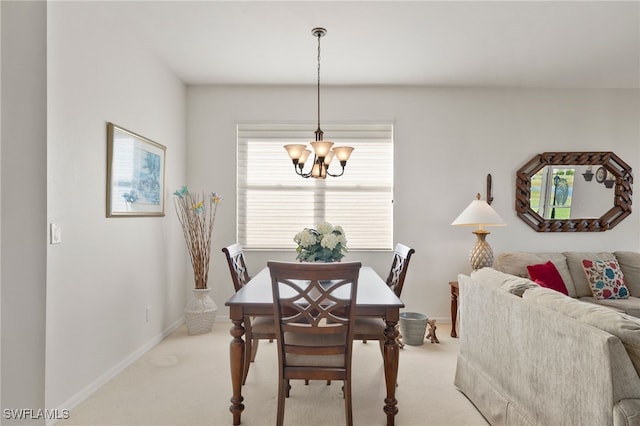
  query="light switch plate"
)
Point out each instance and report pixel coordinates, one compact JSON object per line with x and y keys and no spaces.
{"x":55,"y":232}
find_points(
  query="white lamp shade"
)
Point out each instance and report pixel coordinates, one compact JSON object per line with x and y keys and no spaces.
{"x":319,"y":171}
{"x":321,"y":148}
{"x":478,"y":213}
{"x":295,"y":150}
{"x":304,"y":156}
{"x":342,"y":152}
{"x":328,"y":158}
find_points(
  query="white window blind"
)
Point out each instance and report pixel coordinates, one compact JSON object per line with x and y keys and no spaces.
{"x":274,"y":203}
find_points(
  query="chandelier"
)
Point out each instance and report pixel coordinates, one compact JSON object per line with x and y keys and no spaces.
{"x":323,"y":151}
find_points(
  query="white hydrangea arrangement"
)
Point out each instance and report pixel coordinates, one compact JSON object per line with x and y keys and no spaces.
{"x":326,"y":243}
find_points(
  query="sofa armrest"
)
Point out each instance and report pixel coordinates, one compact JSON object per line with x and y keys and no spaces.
{"x":627,"y":412}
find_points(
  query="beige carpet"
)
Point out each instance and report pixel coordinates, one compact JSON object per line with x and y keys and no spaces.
{"x":185,"y":380}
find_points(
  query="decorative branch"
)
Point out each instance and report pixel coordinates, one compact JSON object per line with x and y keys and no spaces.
{"x":197,"y":213}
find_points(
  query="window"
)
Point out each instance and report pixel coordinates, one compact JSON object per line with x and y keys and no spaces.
{"x":274,"y":203}
{"x":551,"y":192}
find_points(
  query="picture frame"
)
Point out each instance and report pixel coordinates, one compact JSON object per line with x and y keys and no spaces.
{"x":135,"y":174}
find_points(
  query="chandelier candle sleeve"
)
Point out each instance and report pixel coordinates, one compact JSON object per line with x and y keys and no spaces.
{"x":479,"y":213}
{"x":323,"y":150}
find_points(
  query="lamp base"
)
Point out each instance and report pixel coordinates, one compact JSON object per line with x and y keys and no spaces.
{"x":481,"y":255}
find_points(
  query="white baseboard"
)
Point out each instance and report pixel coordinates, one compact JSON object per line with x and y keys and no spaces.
{"x":88,"y":390}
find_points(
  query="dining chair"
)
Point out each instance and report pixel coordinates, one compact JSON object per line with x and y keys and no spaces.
{"x":314,"y":308}
{"x":256,"y":328}
{"x":373,"y":328}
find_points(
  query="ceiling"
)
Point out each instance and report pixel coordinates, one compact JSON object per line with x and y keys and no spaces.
{"x":556,"y":44}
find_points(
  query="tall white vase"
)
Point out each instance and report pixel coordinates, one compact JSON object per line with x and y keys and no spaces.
{"x":200,"y":312}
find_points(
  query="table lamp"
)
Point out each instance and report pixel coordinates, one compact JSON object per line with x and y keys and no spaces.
{"x":479,"y":214}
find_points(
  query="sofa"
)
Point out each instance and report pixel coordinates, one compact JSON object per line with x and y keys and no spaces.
{"x":569,"y":265}
{"x":530,"y":355}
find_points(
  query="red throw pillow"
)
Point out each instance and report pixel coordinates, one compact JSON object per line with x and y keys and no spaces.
{"x":548,"y":276}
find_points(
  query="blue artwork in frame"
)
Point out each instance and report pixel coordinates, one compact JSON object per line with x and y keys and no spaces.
{"x":135,"y":174}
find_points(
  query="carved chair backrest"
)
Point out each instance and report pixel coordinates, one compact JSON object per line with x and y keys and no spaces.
{"x":401,"y":257}
{"x":314,"y":308}
{"x":237,"y":265}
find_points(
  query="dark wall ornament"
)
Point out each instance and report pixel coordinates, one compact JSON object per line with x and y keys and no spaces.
{"x":618,"y":169}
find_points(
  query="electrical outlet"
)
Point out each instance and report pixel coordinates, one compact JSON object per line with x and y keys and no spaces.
{"x":148,"y":313}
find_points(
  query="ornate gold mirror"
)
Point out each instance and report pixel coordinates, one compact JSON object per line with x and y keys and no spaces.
{"x":574,"y":191}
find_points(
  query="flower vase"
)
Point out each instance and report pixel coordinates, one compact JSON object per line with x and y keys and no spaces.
{"x":200,"y":312}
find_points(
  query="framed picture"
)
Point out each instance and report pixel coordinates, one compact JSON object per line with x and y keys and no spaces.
{"x":135,"y":174}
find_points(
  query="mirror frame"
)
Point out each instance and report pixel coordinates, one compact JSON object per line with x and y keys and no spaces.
{"x":621,"y":171}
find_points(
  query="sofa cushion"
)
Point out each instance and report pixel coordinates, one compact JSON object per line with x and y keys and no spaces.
{"x":630,"y":264}
{"x":548,"y":276}
{"x":609,"y":303}
{"x":515,"y":263}
{"x":629,"y":306}
{"x":574,"y":262}
{"x":605,"y":279}
{"x":621,"y":325}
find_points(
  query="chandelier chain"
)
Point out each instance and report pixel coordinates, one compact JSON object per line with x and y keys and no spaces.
{"x":319,"y":35}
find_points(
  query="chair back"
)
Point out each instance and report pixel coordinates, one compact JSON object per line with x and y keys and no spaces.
{"x":401,"y":257}
{"x":314,"y":309}
{"x":237,"y":265}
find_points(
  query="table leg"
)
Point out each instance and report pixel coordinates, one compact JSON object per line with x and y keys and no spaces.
{"x":391,"y":357}
{"x":454,"y":310}
{"x":237,"y":352}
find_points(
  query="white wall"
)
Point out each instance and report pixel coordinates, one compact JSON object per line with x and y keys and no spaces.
{"x":107,"y":270}
{"x":446,"y":141}
{"x":23,"y":213}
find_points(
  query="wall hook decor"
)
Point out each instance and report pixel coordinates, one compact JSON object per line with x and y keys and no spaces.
{"x":489,"y":190}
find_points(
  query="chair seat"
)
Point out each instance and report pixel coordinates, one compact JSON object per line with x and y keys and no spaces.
{"x":300,"y":360}
{"x":263,"y":325}
{"x":369,"y":326}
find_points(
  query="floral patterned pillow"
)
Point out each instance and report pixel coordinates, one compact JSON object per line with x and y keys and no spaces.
{"x":605,"y":279}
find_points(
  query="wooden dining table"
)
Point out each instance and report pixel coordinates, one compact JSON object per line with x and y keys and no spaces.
{"x":374,"y":299}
